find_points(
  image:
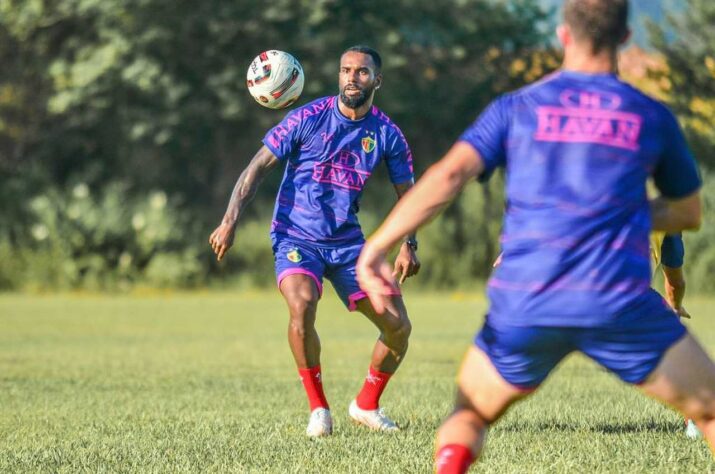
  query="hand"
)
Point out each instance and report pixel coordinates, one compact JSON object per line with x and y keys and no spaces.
{"x":375,"y":277}
{"x":221,"y":239}
{"x":406,"y":264}
{"x":682,"y":312}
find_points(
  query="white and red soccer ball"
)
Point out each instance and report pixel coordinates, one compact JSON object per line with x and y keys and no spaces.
{"x":275,"y":79}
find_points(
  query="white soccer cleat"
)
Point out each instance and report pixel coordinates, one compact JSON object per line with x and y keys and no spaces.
{"x":320,"y":423}
{"x":373,"y":419}
{"x":692,"y":431}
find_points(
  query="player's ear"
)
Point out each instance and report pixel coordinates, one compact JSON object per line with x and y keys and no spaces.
{"x":378,"y":80}
{"x":563,"y":33}
{"x":626,"y":36}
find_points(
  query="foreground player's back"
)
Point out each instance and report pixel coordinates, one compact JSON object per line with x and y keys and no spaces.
{"x":578,"y":149}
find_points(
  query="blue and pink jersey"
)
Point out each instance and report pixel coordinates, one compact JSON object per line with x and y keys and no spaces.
{"x":578,"y":150}
{"x":328,"y":160}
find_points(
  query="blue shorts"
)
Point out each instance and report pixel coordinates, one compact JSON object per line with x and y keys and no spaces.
{"x":337,"y":264}
{"x":630,"y":346}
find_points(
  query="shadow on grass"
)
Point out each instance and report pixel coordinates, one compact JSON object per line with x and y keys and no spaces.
{"x":601,"y":427}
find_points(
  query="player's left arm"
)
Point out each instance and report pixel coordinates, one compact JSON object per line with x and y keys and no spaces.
{"x":675,"y":289}
{"x":672,"y":254}
{"x":406,"y":263}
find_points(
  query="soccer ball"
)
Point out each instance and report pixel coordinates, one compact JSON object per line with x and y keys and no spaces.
{"x":275,"y":79}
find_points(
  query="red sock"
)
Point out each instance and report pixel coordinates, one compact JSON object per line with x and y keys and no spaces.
{"x":375,"y":383}
{"x":453,"y":459}
{"x":313,"y":384}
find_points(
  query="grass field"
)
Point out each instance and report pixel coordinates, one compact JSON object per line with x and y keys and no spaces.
{"x":206,"y":383}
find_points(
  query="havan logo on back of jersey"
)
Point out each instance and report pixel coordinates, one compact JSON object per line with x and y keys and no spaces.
{"x":341,"y":171}
{"x":589,"y":117}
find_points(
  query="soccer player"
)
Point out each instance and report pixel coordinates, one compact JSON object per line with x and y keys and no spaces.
{"x":578,"y":147}
{"x":329,"y":148}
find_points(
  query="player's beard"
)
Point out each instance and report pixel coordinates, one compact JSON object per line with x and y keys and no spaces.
{"x":356,"y":101}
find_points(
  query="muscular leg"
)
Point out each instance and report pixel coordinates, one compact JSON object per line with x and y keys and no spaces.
{"x":301,"y":295}
{"x":482,"y":397}
{"x":685,"y":379}
{"x":389,"y":351}
{"x":395,"y":329}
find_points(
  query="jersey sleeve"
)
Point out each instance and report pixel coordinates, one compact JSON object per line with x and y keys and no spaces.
{"x":672,"y":251}
{"x":488,"y":135}
{"x":675,"y":174}
{"x":398,"y":157}
{"x":284,"y":140}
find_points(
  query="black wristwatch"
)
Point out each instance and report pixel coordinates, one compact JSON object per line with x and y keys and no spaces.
{"x":412,"y":242}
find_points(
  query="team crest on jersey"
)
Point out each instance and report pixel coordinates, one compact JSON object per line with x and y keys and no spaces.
{"x":368,"y":144}
{"x":294,"y":256}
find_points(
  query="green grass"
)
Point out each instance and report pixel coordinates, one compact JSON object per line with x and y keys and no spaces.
{"x":206,"y":383}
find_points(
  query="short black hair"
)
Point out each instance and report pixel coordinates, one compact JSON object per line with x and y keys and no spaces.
{"x":603,"y":23}
{"x":361,"y":48}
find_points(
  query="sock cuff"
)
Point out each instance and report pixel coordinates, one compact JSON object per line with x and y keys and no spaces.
{"x":384,"y":375}
{"x":310,"y":370}
{"x":453,"y":458}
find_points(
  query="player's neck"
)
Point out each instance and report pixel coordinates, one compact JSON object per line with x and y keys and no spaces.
{"x":583,"y":61}
{"x":354,"y":114}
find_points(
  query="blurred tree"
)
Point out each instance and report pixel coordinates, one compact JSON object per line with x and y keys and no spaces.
{"x":690,"y":76}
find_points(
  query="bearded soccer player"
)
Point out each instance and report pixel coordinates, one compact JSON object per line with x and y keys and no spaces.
{"x":329,"y":148}
{"x":578,"y":147}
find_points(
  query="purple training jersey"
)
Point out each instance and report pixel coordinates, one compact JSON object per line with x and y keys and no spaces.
{"x":578,"y":149}
{"x":328,"y":160}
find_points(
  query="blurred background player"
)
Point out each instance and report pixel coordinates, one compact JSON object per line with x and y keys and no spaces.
{"x":578,"y":147}
{"x":329,"y":148}
{"x":668,"y":251}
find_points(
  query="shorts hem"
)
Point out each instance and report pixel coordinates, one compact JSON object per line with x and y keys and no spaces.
{"x":522,"y":388}
{"x":358,"y":295}
{"x":300,"y":271}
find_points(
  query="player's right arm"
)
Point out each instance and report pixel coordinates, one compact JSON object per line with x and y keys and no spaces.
{"x":245,"y":189}
{"x":477,"y":153}
{"x":432,"y":193}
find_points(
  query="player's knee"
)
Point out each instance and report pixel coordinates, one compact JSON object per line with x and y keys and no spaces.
{"x":399,"y":333}
{"x":400,"y":328}
{"x":702,"y":409}
{"x":405,"y":330}
{"x":302,"y":302}
{"x":461,"y":418}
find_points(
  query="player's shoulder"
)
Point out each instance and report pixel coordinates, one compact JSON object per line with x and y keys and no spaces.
{"x":383,"y":120}
{"x":523,"y":93}
{"x":314,"y":108}
{"x":644,"y":99}
{"x":380,"y":116}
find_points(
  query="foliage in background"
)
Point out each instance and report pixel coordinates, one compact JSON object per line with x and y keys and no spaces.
{"x":135,"y":96}
{"x":699,"y":248}
{"x":104,"y":240}
{"x":151,"y":94}
{"x":690,"y":75}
